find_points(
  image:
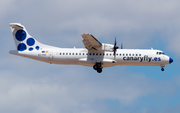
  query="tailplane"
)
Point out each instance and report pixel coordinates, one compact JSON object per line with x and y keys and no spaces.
{"x":24,"y":41}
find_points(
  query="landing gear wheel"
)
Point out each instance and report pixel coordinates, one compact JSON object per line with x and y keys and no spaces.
{"x":162,"y":69}
{"x":98,"y":67}
{"x":95,"y":67}
{"x":99,"y":70}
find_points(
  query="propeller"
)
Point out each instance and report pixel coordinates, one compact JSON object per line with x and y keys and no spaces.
{"x":115,"y":48}
{"x":121,"y":45}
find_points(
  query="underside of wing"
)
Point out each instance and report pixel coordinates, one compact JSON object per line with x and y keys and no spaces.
{"x":90,"y":42}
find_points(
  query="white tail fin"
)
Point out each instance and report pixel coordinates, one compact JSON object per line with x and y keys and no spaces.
{"x":23,"y":40}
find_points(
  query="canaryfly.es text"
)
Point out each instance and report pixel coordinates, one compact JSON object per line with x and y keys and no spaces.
{"x":145,"y":58}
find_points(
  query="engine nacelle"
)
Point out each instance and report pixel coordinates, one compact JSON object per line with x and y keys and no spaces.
{"x":106,"y":47}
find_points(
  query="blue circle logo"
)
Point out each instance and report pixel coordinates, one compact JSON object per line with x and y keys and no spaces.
{"x":30,"y":41}
{"x":20,"y":35}
{"x":37,"y":47}
{"x":30,"y":49}
{"x":21,"y":47}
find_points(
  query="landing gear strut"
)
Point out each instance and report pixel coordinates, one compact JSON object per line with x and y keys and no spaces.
{"x":162,"y":68}
{"x":98,"y":67}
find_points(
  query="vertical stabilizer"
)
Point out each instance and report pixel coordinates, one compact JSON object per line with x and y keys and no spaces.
{"x":24,"y":41}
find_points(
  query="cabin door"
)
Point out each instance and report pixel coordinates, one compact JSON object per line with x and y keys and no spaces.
{"x":51,"y":56}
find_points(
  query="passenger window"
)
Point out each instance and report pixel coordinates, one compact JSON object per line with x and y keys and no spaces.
{"x":123,"y":54}
{"x":86,"y":53}
{"x":116,"y":54}
{"x":79,"y":53}
{"x":139,"y":54}
{"x":119,"y":54}
{"x":83,"y":53}
{"x":107,"y":54}
{"x":93,"y":53}
{"x":72,"y":53}
{"x":132,"y":54}
{"x":63,"y":53}
{"x":110,"y":54}
{"x":76,"y":53}
{"x":69,"y":53}
{"x":89,"y":53}
{"x":96,"y":54}
{"x":136,"y":54}
{"x":100,"y":54}
{"x":126,"y":54}
{"x":59,"y":53}
{"x":129,"y":54}
{"x":66,"y":53}
{"x":103,"y":54}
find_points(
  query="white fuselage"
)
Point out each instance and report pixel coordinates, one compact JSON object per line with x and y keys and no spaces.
{"x":75,"y":56}
{"x":96,"y":54}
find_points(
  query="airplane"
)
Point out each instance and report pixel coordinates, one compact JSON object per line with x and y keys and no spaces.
{"x":95,"y":54}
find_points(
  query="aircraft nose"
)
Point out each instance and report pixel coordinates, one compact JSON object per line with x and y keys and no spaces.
{"x":170,"y":60}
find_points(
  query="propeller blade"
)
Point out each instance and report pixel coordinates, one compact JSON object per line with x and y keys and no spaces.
{"x":115,"y":42}
{"x":115,"y":48}
{"x":121,"y":45}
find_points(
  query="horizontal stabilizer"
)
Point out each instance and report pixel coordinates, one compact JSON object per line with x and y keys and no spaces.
{"x":16,"y":26}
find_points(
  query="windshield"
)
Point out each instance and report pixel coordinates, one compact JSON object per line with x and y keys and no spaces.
{"x":159,"y":53}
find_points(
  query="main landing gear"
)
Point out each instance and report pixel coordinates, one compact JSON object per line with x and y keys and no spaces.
{"x":98,"y":67}
{"x":162,"y":68}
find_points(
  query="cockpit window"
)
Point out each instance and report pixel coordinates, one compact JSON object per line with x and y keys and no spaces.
{"x":159,"y":53}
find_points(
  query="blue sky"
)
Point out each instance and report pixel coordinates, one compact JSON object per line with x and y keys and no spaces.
{"x":31,"y":86}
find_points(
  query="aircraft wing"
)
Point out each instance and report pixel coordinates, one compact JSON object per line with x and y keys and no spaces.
{"x":90,"y":42}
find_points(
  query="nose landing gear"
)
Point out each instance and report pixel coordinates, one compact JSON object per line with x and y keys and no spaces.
{"x":98,"y":67}
{"x":162,"y":68}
